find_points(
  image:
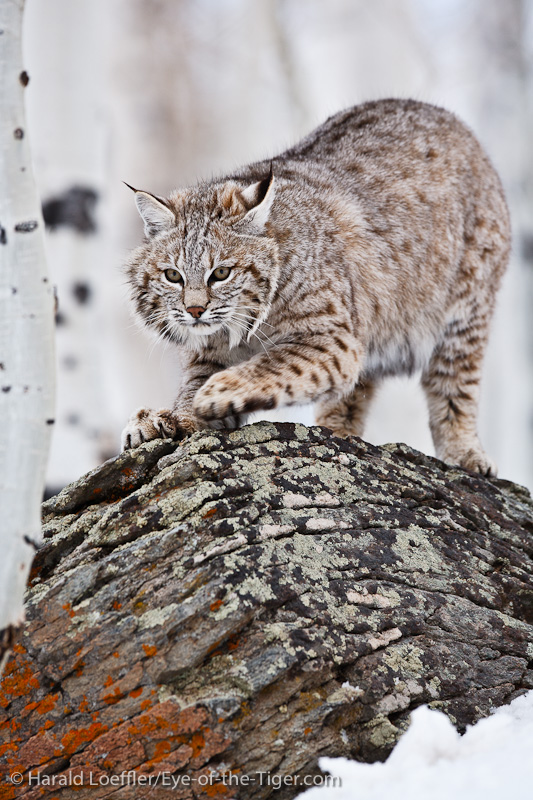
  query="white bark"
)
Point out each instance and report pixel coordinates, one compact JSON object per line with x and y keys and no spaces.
{"x":26,"y":332}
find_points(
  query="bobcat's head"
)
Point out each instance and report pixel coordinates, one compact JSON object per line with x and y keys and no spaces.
{"x":207,"y":266}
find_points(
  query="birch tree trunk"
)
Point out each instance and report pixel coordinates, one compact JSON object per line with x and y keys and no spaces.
{"x":26,"y":336}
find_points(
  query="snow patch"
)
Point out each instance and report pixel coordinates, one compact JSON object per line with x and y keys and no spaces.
{"x":491,"y":761}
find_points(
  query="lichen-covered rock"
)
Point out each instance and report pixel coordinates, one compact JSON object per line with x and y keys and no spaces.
{"x":244,"y":602}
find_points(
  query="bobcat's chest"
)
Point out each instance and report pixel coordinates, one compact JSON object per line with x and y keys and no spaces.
{"x":402,"y":353}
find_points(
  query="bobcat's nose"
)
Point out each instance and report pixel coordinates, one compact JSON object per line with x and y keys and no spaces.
{"x":195,"y":311}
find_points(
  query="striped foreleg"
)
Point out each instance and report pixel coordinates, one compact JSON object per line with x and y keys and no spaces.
{"x":296,"y":372}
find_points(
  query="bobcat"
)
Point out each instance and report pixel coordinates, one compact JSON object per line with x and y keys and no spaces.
{"x":373,"y":247}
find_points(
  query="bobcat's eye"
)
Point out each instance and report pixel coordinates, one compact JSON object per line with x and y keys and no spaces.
{"x":220,"y":274}
{"x":173,"y":276}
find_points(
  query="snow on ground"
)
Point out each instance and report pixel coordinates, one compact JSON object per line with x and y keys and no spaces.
{"x":492,"y":760}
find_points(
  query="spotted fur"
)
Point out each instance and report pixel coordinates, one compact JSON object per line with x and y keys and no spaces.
{"x":373,"y":247}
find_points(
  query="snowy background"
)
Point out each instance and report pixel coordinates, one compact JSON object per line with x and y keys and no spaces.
{"x":161,"y":92}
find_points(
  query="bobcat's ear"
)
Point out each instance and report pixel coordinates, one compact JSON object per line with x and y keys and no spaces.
{"x":258,"y":199}
{"x":154,"y":211}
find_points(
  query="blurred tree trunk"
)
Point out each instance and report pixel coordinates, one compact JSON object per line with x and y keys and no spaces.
{"x":26,"y":337}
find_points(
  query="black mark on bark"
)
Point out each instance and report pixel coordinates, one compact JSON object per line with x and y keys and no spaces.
{"x":26,"y":227}
{"x":18,"y":133}
{"x":24,"y":78}
{"x":72,"y":209}
{"x":32,"y":542}
{"x":82,"y":292}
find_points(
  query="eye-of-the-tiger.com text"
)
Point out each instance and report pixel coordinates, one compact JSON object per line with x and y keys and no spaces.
{"x":171,"y":780}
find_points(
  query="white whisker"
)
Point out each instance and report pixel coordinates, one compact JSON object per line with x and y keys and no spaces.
{"x":266,"y":337}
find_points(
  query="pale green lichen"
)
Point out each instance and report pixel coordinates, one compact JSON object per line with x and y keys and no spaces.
{"x":156,"y":616}
{"x":382,"y":733}
{"x":405,"y":658}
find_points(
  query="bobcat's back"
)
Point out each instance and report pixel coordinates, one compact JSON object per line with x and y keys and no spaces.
{"x":391,"y":194}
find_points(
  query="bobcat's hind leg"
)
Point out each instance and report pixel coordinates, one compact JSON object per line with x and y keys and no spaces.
{"x":451,"y":384}
{"x":346,"y":416}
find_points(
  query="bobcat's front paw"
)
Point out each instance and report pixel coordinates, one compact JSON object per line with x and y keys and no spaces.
{"x":478,"y":461}
{"x":227,"y":395}
{"x":146,"y":424}
{"x":473,"y":458}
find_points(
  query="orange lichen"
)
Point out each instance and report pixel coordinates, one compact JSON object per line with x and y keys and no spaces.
{"x":136,"y":692}
{"x":73,"y":740}
{"x":84,"y":705}
{"x":12,"y":724}
{"x":8,"y":747}
{"x":47,"y":704}
{"x":114,"y":697}
{"x":41,"y":706}
{"x":307,"y":731}
{"x":210,"y":513}
{"x":18,"y":679}
{"x":150,"y":650}
{"x":68,"y":608}
{"x":116,"y":654}
{"x":116,"y":605}
{"x":108,"y":681}
{"x":214,"y":789}
{"x":215,"y":605}
{"x":146,"y":724}
{"x":78,"y":667}
{"x":198,"y":742}
{"x":161,"y":749}
{"x":146,"y":704}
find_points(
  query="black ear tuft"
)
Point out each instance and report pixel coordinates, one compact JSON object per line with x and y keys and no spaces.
{"x":264,"y":186}
{"x":254,"y":195}
{"x":130,"y":187}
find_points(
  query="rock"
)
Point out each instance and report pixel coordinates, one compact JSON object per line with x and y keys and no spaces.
{"x":245,"y":602}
